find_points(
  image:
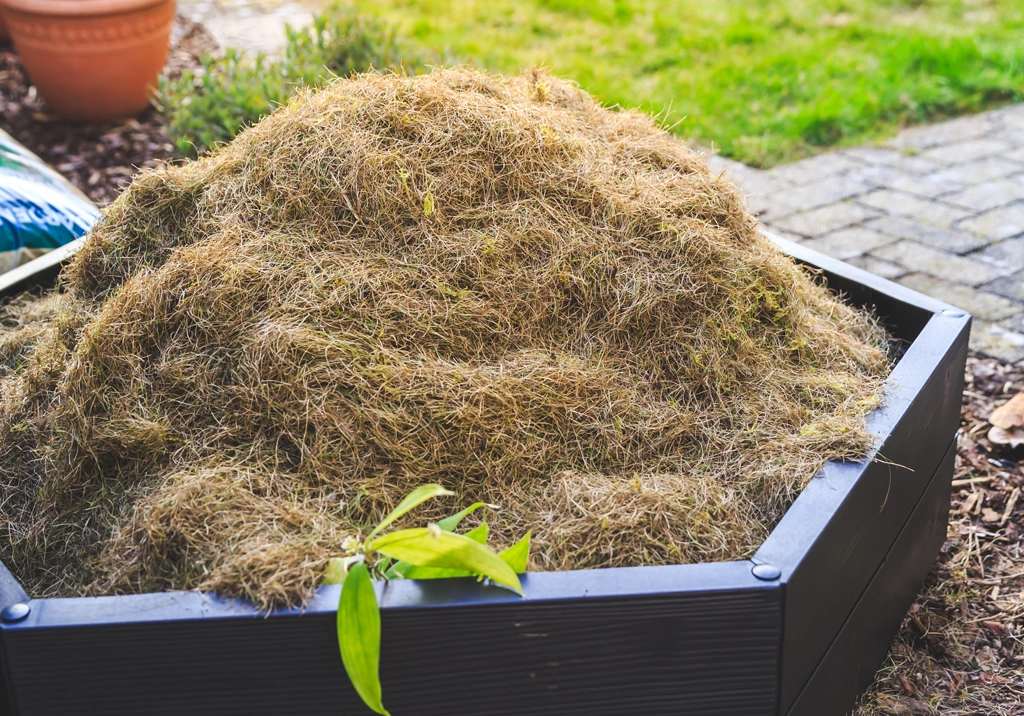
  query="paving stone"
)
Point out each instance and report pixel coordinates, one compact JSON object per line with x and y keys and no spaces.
{"x":990,"y":195}
{"x":1014,"y":136}
{"x":939,"y":208}
{"x":763,"y":198}
{"x":768,"y":208}
{"x":1007,"y":254}
{"x":896,"y":202}
{"x":783,"y":233}
{"x":827,"y":191}
{"x":814,"y":169}
{"x":997,"y":224}
{"x":957,"y":242}
{"x":918,"y":257}
{"x":1009,"y":286}
{"x":1014,"y":323}
{"x":879,"y":156}
{"x":1010,"y":116}
{"x":979,"y":171}
{"x":260,"y":33}
{"x":998,"y":342}
{"x":758,"y":182}
{"x":738,"y":172}
{"x":822,"y":220}
{"x":848,"y":243}
{"x":981,"y":304}
{"x":894,"y":178}
{"x":958,"y":130}
{"x":892,"y":158}
{"x":879,"y":267}
{"x":927,"y":186}
{"x":961,"y":152}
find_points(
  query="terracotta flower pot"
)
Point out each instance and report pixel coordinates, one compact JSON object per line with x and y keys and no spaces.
{"x":92,"y":60}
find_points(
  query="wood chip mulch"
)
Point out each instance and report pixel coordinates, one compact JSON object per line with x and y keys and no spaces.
{"x":960,"y":651}
{"x":100,"y":159}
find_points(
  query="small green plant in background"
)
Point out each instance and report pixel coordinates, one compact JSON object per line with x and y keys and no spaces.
{"x":431,"y":552}
{"x":210,"y":105}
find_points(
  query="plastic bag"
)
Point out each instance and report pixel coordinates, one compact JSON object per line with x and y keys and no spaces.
{"x":39,"y":209}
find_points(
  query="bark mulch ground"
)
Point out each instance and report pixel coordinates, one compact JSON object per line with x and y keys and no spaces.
{"x":960,"y":651}
{"x":100,"y":159}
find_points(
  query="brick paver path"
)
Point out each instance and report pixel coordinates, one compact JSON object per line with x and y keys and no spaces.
{"x":938,"y":208}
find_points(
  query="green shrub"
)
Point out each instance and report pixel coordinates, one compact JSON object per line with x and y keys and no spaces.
{"x":212,"y":104}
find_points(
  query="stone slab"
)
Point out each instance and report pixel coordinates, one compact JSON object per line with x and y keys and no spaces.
{"x":883,"y":157}
{"x":956,"y":242}
{"x":1014,"y":323}
{"x":822,"y":220}
{"x":988,"y":195}
{"x":815,"y":169}
{"x":877,"y":266}
{"x":966,"y":151}
{"x":1011,"y":286}
{"x":998,"y":342}
{"x":259,"y":33}
{"x":925,"y":186}
{"x":897,"y":202}
{"x":827,"y":191}
{"x":1008,"y":254}
{"x":918,"y":257}
{"x":981,"y":304}
{"x":1001,"y":223}
{"x":849,"y":243}
{"x":979,"y":171}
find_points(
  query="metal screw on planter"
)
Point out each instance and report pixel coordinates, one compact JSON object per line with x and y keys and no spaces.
{"x":15,"y":612}
{"x":953,"y":313}
{"x":766,"y":572}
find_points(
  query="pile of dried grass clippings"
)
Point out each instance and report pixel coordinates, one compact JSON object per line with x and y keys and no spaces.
{"x":494,"y":284}
{"x":961,"y":649}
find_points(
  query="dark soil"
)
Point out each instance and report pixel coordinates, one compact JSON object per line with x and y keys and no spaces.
{"x":100,"y":159}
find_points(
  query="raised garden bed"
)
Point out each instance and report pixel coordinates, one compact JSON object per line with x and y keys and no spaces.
{"x":799,"y":629}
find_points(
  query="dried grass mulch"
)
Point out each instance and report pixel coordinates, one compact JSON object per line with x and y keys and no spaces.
{"x":492,"y":283}
{"x":960,"y":651}
{"x":100,"y":159}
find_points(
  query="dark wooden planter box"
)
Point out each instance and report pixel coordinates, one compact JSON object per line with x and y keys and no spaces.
{"x":798,"y":630}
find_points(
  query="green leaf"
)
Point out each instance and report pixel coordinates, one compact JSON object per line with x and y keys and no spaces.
{"x":413,"y":500}
{"x":414,"y":572}
{"x":335,"y":572}
{"x":397,"y":570}
{"x":478,"y":534}
{"x":517,"y":555}
{"x":359,"y":636}
{"x":426,"y":547}
{"x":449,"y":524}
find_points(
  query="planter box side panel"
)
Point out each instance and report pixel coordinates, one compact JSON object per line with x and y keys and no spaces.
{"x":706,"y":652}
{"x":835,"y":537}
{"x":10,"y":593}
{"x":851,"y":662}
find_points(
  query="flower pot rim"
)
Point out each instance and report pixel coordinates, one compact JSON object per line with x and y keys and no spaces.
{"x":79,"y":8}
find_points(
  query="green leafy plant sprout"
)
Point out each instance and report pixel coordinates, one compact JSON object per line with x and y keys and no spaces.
{"x":432,"y":552}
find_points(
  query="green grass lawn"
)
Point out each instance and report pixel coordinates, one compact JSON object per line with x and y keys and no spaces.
{"x":765,"y":81}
